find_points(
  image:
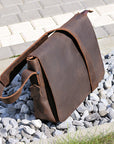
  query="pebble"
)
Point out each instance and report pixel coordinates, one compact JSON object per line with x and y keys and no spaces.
{"x":108,"y":83}
{"x":109,"y":92}
{"x":24,"y":109}
{"x":3,"y":132}
{"x":19,"y":105}
{"x":75,"y":115}
{"x":111,"y":113}
{"x":78,"y":123}
{"x":81,"y":108}
{"x":37,"y":123}
{"x":94,"y":97}
{"x":85,"y":114}
{"x":13,"y":141}
{"x":66,"y":124}
{"x":30,"y":105}
{"x":28,"y":130}
{"x":58,"y":132}
{"x":24,"y":97}
{"x":102,"y":109}
{"x":87,"y":124}
{"x":112,"y":98}
{"x":13,"y":131}
{"x":46,"y":130}
{"x":104,"y":101}
{"x":14,"y":123}
{"x":92,"y":117}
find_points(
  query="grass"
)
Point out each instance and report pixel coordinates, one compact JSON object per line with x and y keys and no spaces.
{"x":107,"y":139}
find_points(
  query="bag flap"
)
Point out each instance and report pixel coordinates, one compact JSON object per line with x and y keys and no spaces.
{"x":65,"y":67}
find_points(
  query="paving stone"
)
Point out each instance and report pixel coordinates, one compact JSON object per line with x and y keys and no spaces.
{"x":106,"y":10}
{"x":21,"y":27}
{"x":7,"y":20}
{"x":32,"y":35}
{"x":20,"y":48}
{"x":30,"y":6}
{"x":55,"y":10}
{"x":90,"y":3}
{"x":29,"y":15}
{"x":106,"y":45}
{"x":101,"y":20}
{"x":11,"y":40}
{"x":7,"y":3}
{"x":61,"y":19}
{"x":100,"y":32}
{"x":29,"y":1}
{"x":43,"y":22}
{"x":5,"y":52}
{"x":4,"y":31}
{"x":9,"y":11}
{"x":69,"y":7}
{"x":109,"y":1}
{"x":109,"y":29}
{"x":50,"y":3}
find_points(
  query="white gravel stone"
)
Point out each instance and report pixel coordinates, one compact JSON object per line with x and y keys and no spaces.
{"x":109,"y":92}
{"x":94,"y":97}
{"x":102,"y":93}
{"x":102,"y":109}
{"x":37,"y":123}
{"x":111,"y":113}
{"x":105,"y":102}
{"x":108,"y":82}
{"x":85,"y":114}
{"x":92,"y":117}
{"x":75,"y":115}
{"x":112,"y":98}
{"x":24,"y":109}
{"x":81,"y":108}
{"x":29,"y":130}
{"x":66,"y":124}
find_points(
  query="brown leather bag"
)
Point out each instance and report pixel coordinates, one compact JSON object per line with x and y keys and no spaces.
{"x":63,"y":68}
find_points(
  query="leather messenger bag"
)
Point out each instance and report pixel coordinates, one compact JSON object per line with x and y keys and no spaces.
{"x":64,"y":66}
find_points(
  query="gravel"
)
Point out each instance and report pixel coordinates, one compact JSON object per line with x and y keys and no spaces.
{"x":18,"y":123}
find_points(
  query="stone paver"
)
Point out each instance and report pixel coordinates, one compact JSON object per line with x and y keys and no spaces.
{"x":7,"y":3}
{"x":44,"y":22}
{"x":101,"y":20}
{"x":5,"y":63}
{"x":11,"y":40}
{"x":61,"y":19}
{"x":30,"y":6}
{"x":109,"y":29}
{"x":100,"y":32}
{"x":9,"y":11}
{"x":32,"y":35}
{"x":8,"y":20}
{"x":55,"y":10}
{"x":106,"y":44}
{"x":106,"y":10}
{"x":19,"y":28}
{"x":29,"y":15}
{"x":68,"y":7}
{"x":20,"y":48}
{"x":5,"y":52}
{"x":92,"y":3}
{"x":4,"y":31}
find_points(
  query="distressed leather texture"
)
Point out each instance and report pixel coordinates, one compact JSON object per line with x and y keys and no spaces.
{"x":63,"y":67}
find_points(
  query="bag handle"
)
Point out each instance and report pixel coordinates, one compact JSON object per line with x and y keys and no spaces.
{"x":4,"y":81}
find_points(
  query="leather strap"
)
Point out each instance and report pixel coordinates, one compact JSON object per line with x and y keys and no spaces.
{"x":27,"y":73}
